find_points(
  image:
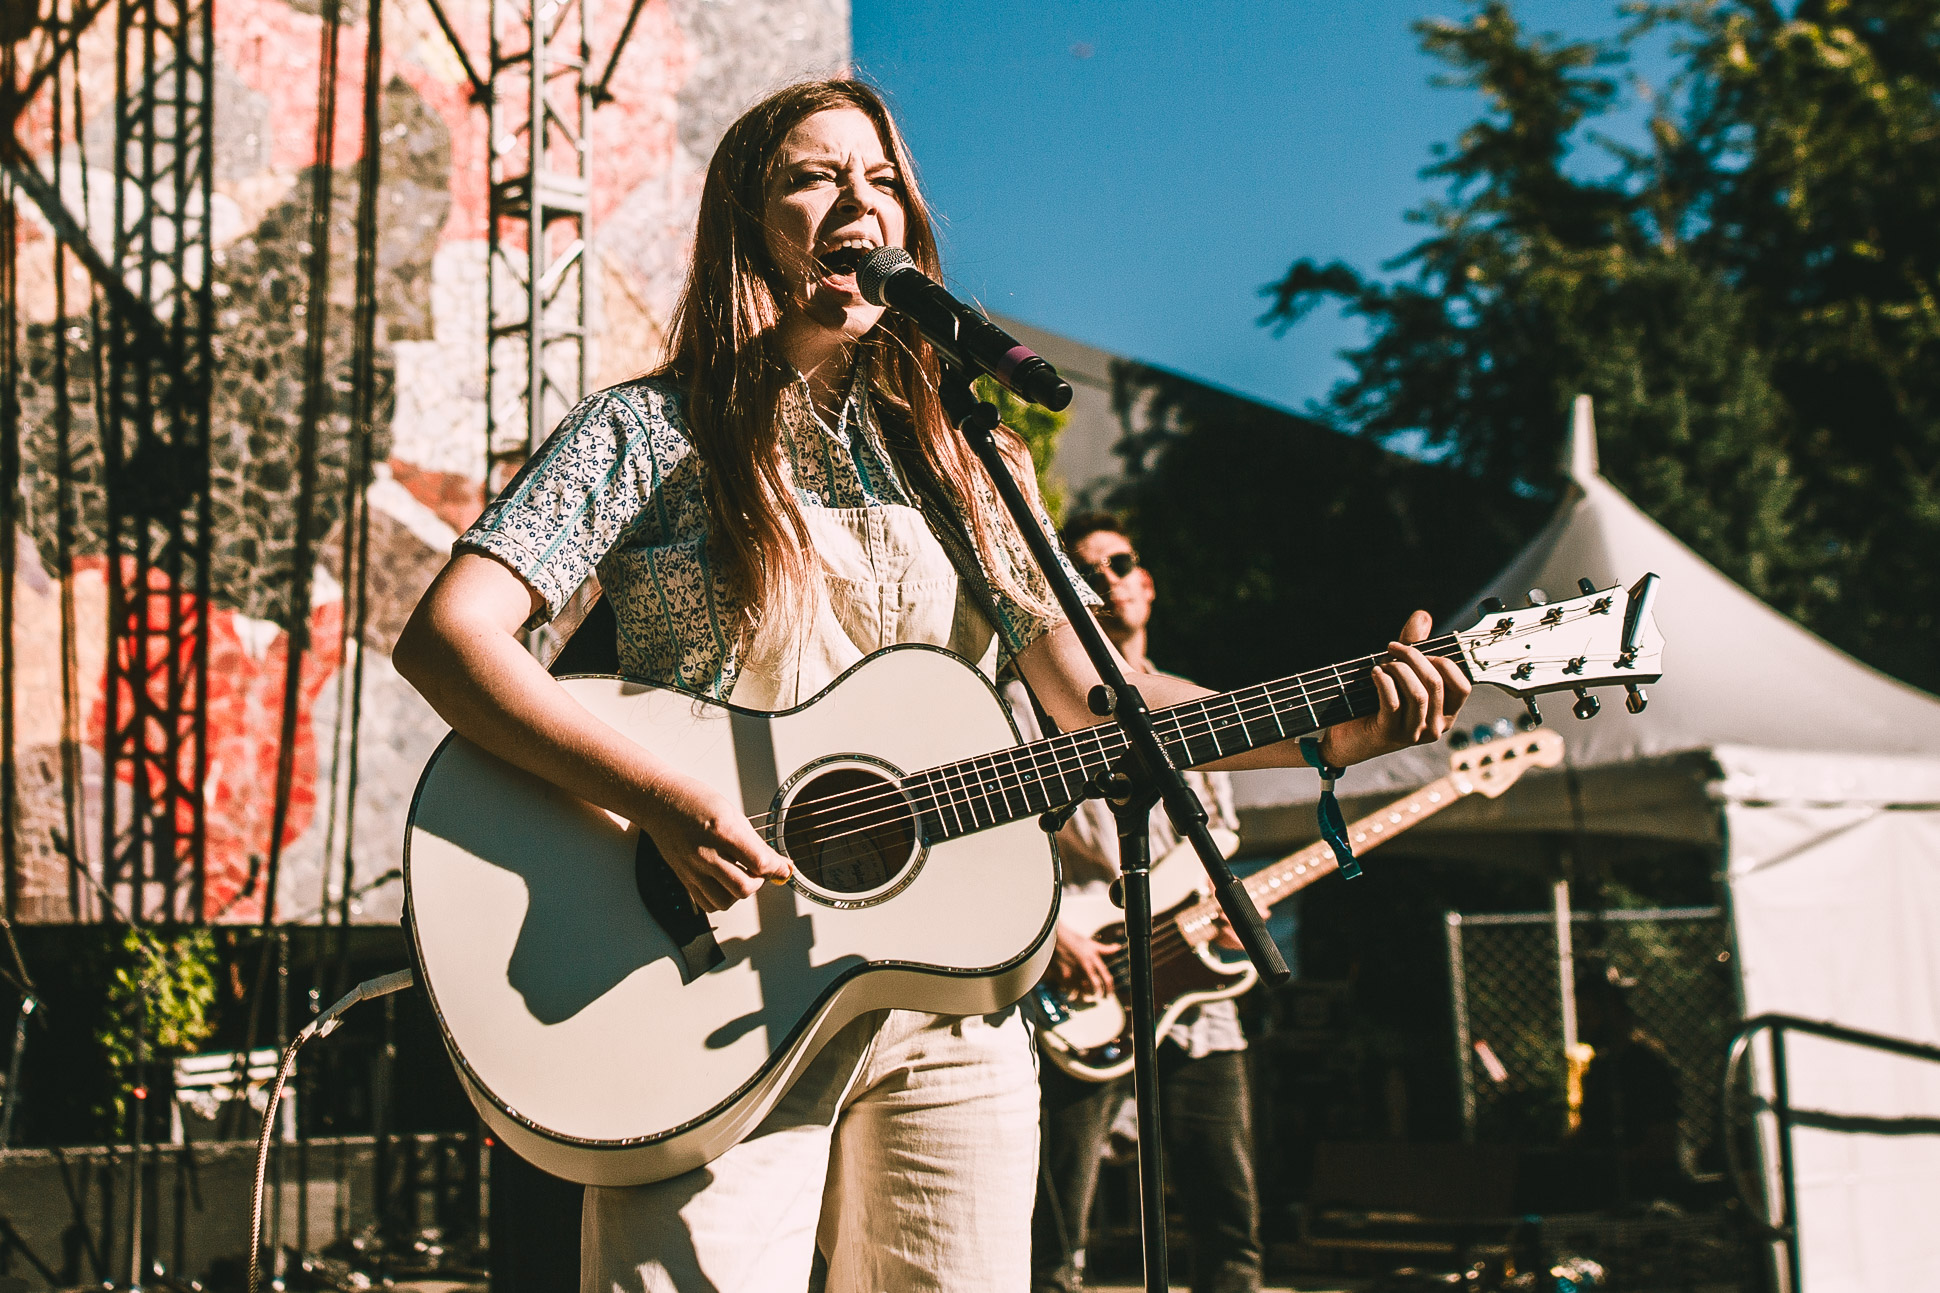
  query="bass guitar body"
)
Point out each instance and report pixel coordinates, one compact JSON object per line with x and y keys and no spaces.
{"x":1091,"y":1038}
{"x":613,"y":1034}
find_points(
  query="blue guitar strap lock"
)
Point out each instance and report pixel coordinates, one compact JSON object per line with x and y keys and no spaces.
{"x":1333,"y":828}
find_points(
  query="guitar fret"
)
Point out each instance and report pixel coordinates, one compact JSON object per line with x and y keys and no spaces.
{"x":1213,"y":733}
{"x":951,"y":798}
{"x":936,"y":827}
{"x":977,"y":795}
{"x":1057,"y":784}
{"x":1011,"y":787}
{"x":1306,"y":697}
{"x":1015,"y":785}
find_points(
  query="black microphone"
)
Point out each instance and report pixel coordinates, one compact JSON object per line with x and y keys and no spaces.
{"x":888,"y":277}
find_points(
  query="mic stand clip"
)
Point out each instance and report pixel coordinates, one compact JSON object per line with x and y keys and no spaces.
{"x":1144,"y":778}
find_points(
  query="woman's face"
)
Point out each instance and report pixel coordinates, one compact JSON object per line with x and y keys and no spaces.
{"x":833,"y":197}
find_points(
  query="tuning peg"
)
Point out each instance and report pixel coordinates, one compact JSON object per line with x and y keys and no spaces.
{"x":1493,"y":605}
{"x":1457,"y":739}
{"x":1586,"y":705}
{"x":1537,"y":597}
{"x":1535,"y":716}
{"x":1636,"y":700}
{"x":1586,"y":586}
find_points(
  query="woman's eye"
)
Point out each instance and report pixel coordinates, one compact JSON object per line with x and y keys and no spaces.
{"x":888,"y":180}
{"x":805,"y":178}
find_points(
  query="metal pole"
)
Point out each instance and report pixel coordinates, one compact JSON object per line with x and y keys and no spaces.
{"x":1135,"y":880}
{"x":137,"y":1107}
{"x":11,"y":1095}
{"x":1458,"y":999}
{"x":1565,"y":965}
{"x":1787,"y":1168}
{"x":535,"y":245}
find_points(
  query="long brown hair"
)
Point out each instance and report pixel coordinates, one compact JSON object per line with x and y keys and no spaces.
{"x":724,"y":353}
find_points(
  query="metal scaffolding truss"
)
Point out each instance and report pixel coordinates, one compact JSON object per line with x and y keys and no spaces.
{"x":155,"y":449}
{"x":540,"y":96}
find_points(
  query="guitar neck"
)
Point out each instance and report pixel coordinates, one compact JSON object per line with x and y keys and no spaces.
{"x":974,"y":794}
{"x":1274,"y":884}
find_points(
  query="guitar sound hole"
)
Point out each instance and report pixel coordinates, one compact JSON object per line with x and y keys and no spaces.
{"x":849,"y":831}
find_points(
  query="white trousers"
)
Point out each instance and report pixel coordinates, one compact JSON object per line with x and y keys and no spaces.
{"x":906,"y":1153}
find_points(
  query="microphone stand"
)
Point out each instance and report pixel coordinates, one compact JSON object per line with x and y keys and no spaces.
{"x":1145,"y":778}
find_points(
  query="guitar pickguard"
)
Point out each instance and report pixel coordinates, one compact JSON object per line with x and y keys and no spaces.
{"x":673,"y":909}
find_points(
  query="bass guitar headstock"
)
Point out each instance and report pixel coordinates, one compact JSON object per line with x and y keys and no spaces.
{"x":1491,"y":767}
{"x":1602,"y":638}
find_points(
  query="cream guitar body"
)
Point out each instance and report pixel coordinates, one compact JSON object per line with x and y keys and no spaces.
{"x":611,"y":1038}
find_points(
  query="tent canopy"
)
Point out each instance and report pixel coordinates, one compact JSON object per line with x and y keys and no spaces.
{"x":1751,"y":705}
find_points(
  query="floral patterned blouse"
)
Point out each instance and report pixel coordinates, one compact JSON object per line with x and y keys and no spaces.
{"x":617,"y":490}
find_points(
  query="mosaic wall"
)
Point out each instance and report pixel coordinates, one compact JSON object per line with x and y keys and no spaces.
{"x":690,"y":67}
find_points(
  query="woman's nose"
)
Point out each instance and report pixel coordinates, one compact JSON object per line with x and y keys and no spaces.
{"x":857,"y":195}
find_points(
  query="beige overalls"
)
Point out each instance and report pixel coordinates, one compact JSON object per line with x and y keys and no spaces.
{"x":908,"y":1148}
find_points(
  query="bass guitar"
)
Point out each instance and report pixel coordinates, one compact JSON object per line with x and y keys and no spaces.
{"x":1091,"y":1038}
{"x":612,"y":1033}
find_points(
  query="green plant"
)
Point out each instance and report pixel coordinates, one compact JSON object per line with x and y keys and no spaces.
{"x":1039,"y":428}
{"x":161,"y":991}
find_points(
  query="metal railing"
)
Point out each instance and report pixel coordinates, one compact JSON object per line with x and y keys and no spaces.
{"x":1786,"y":1228}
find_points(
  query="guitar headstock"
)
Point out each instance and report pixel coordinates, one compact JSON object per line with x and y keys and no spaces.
{"x":1491,"y":767}
{"x":1603,"y":637}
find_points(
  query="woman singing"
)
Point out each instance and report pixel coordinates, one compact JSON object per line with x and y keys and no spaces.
{"x":756,"y":536}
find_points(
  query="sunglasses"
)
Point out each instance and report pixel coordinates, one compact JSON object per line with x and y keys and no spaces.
{"x":1118,"y":565}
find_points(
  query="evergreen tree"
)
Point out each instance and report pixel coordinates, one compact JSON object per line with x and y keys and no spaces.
{"x":1751,"y":300}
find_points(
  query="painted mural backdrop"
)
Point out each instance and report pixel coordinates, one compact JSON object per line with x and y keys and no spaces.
{"x":689,"y":68}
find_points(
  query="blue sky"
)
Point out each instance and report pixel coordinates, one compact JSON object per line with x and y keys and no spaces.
{"x":1131,"y":172}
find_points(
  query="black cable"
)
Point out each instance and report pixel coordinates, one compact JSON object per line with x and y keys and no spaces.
{"x":315,"y":396}
{"x":363,"y":436}
{"x":9,"y":525}
{"x":71,"y":786}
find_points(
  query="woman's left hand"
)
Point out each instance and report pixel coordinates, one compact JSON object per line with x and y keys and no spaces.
{"x":1419,"y":697}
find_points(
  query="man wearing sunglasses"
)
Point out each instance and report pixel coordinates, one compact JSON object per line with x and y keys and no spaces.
{"x":1202,"y":1069}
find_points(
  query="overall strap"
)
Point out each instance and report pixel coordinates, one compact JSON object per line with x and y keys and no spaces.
{"x":940,"y":513}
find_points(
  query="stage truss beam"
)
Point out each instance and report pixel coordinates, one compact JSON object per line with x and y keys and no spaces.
{"x":540,"y":98}
{"x":155,"y":448}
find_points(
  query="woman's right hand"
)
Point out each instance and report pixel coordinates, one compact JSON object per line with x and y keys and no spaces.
{"x":709,"y":843}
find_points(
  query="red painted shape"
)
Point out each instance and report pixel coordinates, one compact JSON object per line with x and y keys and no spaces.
{"x":457,"y":499}
{"x":244,"y":726}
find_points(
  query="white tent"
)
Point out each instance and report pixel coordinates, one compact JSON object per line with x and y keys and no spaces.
{"x":1819,"y":780}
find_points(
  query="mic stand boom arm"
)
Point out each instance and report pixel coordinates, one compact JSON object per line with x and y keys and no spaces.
{"x":1148,"y":776}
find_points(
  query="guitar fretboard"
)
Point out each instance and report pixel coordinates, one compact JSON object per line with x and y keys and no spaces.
{"x":975,"y":794}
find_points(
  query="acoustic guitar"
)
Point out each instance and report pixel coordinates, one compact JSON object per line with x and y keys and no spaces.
{"x":612,"y":1033}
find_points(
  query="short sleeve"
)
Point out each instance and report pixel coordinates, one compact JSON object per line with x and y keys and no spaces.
{"x":574,"y":498}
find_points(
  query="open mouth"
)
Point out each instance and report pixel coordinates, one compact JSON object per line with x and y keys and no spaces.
{"x":842,"y":261}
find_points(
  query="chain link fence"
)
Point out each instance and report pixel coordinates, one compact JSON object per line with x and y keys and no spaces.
{"x":1509,"y":974}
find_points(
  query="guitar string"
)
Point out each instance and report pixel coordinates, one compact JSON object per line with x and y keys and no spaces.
{"x":1099,"y":736}
{"x":885,"y":802}
{"x":1261,"y":700}
{"x":868,"y":810}
{"x":1448,"y":646}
